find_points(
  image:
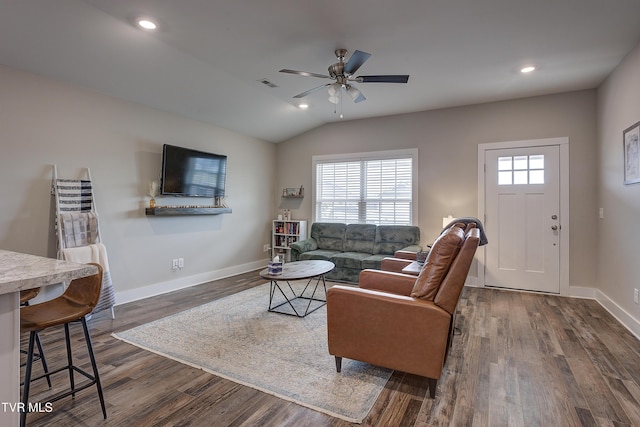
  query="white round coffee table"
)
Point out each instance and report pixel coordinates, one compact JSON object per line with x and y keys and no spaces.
{"x":298,"y":270}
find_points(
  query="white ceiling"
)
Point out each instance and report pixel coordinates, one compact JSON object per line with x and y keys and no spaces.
{"x":208,"y":57}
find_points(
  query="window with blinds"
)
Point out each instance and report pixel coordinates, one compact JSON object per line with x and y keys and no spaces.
{"x":372,"y":190}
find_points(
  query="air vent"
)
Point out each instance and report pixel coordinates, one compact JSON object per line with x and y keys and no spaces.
{"x":267,"y":83}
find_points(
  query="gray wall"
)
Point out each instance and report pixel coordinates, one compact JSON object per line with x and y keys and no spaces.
{"x":447,"y":140}
{"x":618,"y":245}
{"x":43,"y":122}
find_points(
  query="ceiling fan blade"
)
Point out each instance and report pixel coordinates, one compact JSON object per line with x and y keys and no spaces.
{"x":357,"y":59}
{"x":303,"y":94}
{"x":390,"y":78}
{"x":305,"y":73}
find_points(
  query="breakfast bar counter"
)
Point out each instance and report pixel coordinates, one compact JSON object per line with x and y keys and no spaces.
{"x":19,"y":272}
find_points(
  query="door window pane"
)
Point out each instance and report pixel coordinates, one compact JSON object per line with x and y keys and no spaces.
{"x":520,"y":162}
{"x":505,"y":163}
{"x":520,"y":177}
{"x":536,"y":162}
{"x":505,"y":178}
{"x":536,"y":177}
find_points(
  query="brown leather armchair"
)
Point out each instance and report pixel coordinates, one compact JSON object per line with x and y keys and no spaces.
{"x":399,"y":321}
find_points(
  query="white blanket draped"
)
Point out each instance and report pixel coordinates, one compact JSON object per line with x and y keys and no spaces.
{"x":96,"y":253}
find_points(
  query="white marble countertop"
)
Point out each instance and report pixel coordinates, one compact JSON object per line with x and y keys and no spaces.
{"x":20,"y":271}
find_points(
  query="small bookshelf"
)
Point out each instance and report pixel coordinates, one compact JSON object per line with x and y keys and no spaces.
{"x":284,"y":233}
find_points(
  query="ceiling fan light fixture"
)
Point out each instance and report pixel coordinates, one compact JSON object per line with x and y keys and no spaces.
{"x":355,"y":94}
{"x":334,"y":99}
{"x":334,"y":89}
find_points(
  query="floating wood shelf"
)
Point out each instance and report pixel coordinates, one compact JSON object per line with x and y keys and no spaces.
{"x":293,"y":193}
{"x":174,"y":211}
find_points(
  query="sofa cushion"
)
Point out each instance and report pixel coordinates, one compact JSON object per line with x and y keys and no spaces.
{"x":373,"y":261}
{"x":392,"y":238}
{"x":360,"y":238}
{"x":329,"y":235}
{"x":349,"y":275}
{"x":317,"y":254}
{"x":349,"y":259}
{"x":437,"y":264}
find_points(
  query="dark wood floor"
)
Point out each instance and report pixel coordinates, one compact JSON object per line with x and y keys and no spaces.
{"x":520,"y":359}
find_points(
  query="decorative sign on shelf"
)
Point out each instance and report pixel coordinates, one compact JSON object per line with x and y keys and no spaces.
{"x":293,"y":192}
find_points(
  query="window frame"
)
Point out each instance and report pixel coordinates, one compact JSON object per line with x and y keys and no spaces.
{"x":367,"y":156}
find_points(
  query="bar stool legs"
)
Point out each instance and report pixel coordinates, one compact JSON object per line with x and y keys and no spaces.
{"x":67,"y":340}
{"x":71,"y":368}
{"x":39,"y":355}
{"x":45,"y":367}
{"x":94,"y":366}
{"x":25,"y":297}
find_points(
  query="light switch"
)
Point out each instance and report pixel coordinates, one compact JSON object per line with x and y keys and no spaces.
{"x":601,"y":213}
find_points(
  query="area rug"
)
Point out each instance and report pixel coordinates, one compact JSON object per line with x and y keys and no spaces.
{"x":238,"y":339}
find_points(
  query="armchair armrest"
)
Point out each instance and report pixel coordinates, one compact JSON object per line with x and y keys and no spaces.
{"x":394,"y":264}
{"x":302,"y":246}
{"x":392,"y":331}
{"x":387,"y":281}
{"x":408,"y":252}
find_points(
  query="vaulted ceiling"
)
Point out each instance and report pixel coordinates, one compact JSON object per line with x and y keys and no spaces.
{"x":208,"y":59}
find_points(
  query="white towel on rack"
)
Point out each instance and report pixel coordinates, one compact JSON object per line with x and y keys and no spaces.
{"x":84,"y":254}
{"x":94,"y":253}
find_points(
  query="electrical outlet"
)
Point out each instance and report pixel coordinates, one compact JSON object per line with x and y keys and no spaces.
{"x":181,"y":263}
{"x":174,"y":265}
{"x":635,"y":296}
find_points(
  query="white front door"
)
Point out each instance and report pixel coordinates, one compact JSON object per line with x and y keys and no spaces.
{"x":522,"y":218}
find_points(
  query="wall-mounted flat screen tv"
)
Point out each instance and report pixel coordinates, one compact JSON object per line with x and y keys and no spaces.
{"x":193,"y":173}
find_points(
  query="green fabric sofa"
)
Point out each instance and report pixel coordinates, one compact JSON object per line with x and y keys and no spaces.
{"x":354,"y":247}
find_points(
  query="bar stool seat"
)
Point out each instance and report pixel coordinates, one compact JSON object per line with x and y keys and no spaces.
{"x":57,"y":312}
{"x":78,"y":300}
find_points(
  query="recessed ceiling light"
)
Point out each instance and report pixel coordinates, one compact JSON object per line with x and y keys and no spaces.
{"x":527,"y":69}
{"x":146,"y":23}
{"x":303,"y":106}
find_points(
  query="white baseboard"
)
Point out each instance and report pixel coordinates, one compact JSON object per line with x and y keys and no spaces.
{"x":582,"y":292}
{"x":627,"y":320}
{"x":472,"y":282}
{"x":155,"y":289}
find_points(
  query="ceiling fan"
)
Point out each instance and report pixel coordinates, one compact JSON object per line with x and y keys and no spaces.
{"x":342,"y":73}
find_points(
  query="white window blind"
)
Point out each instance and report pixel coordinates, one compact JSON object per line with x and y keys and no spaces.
{"x":365,"y":190}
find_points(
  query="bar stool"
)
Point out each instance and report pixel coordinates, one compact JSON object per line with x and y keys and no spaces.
{"x":78,"y":300}
{"x":25,"y":297}
{"x":28,"y":295}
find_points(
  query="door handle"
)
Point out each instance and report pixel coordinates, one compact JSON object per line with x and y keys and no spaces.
{"x":554,"y":227}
